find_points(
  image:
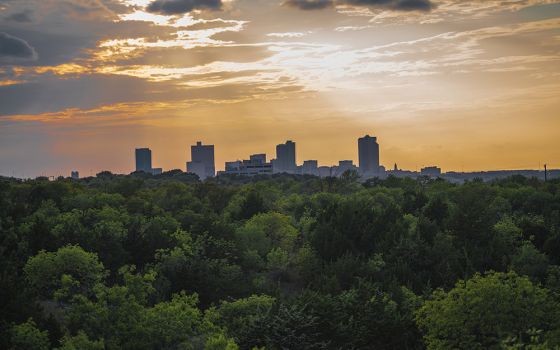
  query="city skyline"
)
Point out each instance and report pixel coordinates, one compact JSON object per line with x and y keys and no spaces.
{"x":143,"y":157}
{"x":468,"y":85}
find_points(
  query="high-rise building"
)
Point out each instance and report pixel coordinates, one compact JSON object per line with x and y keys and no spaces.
{"x":202,"y":161}
{"x":144,"y":160}
{"x":285,"y":158}
{"x":368,"y":152}
{"x":75,"y":175}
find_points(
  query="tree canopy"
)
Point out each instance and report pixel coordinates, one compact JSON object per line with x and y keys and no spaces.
{"x":278,"y":262}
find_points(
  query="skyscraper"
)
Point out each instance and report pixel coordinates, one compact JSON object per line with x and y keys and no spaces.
{"x":202,"y":161}
{"x":368,"y":152}
{"x":285,"y":158}
{"x":144,"y":160}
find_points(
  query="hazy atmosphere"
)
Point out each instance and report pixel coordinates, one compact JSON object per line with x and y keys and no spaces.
{"x":466,"y":85}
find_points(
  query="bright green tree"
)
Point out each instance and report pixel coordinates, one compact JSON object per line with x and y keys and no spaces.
{"x":484,"y":311}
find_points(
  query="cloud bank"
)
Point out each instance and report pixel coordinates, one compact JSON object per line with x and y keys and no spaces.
{"x":175,"y":7}
{"x":15,"y":49}
{"x":396,"y":5}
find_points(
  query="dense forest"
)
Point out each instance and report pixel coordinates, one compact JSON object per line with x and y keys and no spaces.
{"x":280,"y":262}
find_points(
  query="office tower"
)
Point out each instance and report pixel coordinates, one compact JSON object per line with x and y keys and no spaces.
{"x":285,"y":158}
{"x":144,"y":160}
{"x":202,"y":161}
{"x":75,"y":175}
{"x":368,"y":152}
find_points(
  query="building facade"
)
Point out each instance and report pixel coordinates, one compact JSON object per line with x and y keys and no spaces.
{"x":255,"y":165}
{"x":144,"y":160}
{"x":368,"y":153}
{"x":285,"y":161}
{"x":202,"y":161}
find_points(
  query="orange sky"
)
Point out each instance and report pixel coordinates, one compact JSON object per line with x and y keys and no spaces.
{"x":466,"y":85}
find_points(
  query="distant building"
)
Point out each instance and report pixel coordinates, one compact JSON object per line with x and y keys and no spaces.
{"x":255,"y":165}
{"x":75,"y":175}
{"x":325,"y":171}
{"x":344,"y":166}
{"x":368,"y":153}
{"x":431,"y":171}
{"x":202,"y":161}
{"x":144,"y":160}
{"x":310,"y":167}
{"x":285,"y":161}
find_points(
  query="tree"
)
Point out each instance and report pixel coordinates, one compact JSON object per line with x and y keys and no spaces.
{"x":27,"y":336}
{"x":266,"y":231}
{"x":484,"y":311}
{"x":81,"y":342}
{"x":69,"y":270}
{"x":243,"y":319}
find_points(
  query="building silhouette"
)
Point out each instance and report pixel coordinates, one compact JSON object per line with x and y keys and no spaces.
{"x":255,"y":165}
{"x":202,"y":161}
{"x":285,"y":161}
{"x":144,"y":160}
{"x":368,"y":153}
{"x":431,"y":171}
{"x":310,"y":167}
{"x":75,"y":175}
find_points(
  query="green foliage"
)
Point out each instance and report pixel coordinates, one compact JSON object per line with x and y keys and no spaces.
{"x":266,"y":231}
{"x":485,"y":311}
{"x":27,"y":336}
{"x":80,"y":342}
{"x":243,"y":319}
{"x":67,"y":271}
{"x":278,"y":262}
{"x":220,"y":342}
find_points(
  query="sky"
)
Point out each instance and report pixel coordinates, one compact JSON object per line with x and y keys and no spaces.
{"x":463,"y":84}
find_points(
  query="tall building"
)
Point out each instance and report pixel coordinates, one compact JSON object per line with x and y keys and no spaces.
{"x":285,"y":158}
{"x":202,"y":161}
{"x":75,"y":175}
{"x":144,"y":160}
{"x":368,"y":152}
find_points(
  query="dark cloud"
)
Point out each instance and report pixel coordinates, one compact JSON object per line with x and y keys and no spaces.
{"x":310,"y":4}
{"x":174,"y":7}
{"x":397,"y":5}
{"x":13,"y":49}
{"x":22,"y":17}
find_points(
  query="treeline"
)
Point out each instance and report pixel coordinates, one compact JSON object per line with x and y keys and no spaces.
{"x":282,"y":262}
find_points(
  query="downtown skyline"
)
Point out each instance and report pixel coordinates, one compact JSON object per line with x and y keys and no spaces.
{"x":467,"y":85}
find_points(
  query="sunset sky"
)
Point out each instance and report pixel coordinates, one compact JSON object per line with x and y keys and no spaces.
{"x":466,"y":85}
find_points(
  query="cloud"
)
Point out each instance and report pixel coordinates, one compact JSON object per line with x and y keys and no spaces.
{"x":21,"y":17}
{"x":175,"y":7}
{"x":310,"y":4}
{"x":15,"y":49}
{"x":396,"y":5}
